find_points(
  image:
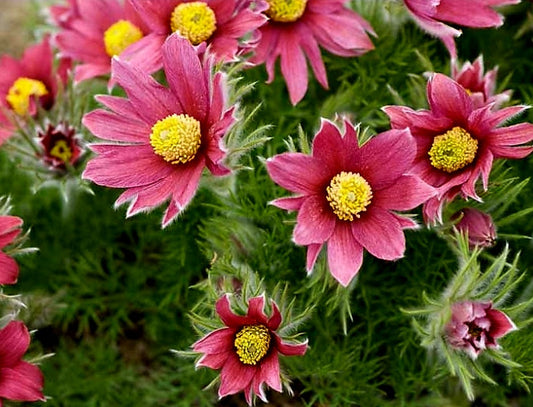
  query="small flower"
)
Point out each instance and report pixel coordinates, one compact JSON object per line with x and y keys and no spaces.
{"x":432,"y":16}
{"x":247,"y":349}
{"x":161,"y":139}
{"x":60,"y":146}
{"x":477,"y":225}
{"x":457,"y":142}
{"x":347,"y":195}
{"x":9,"y":230}
{"x":20,"y":380}
{"x":476,"y":326}
{"x":295,"y":31}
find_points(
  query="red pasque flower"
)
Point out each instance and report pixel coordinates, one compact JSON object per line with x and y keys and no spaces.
{"x":9,"y":230}
{"x":295,"y":31}
{"x":433,"y":16}
{"x":19,"y":380}
{"x":476,"y":326}
{"x":160,"y":139}
{"x":456,"y":142}
{"x":477,"y":225}
{"x":246,"y":349}
{"x":60,"y":145}
{"x":347,"y":196}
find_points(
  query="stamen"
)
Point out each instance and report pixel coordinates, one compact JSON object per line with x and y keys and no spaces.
{"x":62,"y":151}
{"x":176,"y":138}
{"x":453,"y":150}
{"x":20,"y":92}
{"x":195,"y":21}
{"x":120,"y":36}
{"x":348,"y":194}
{"x":285,"y":11}
{"x":252,"y":343}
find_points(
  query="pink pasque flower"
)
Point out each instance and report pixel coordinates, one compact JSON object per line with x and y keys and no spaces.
{"x":433,"y":16}
{"x":219,"y":24}
{"x":9,"y":230}
{"x":347,"y":195}
{"x":92,"y":32}
{"x":478,"y":85}
{"x":60,"y":146}
{"x":160,"y":139}
{"x":295,"y":31}
{"x":246,"y":349}
{"x":477,"y":225}
{"x":476,"y":326}
{"x":19,"y":380}
{"x":456,"y":142}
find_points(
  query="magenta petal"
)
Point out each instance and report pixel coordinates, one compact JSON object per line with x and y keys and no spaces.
{"x":256,"y":307}
{"x":14,"y":341}
{"x":275,"y":319}
{"x":8,"y":223}
{"x":214,"y":360}
{"x":8,"y":237}
{"x":345,"y":254}
{"x":315,"y":222}
{"x":292,"y":203}
{"x":501,"y":324}
{"x":22,"y":382}
{"x":83,"y":72}
{"x":290,"y":349}
{"x":9,"y":269}
{"x":297,"y":172}
{"x":407,"y":192}
{"x":116,"y":127}
{"x":293,"y":67}
{"x":269,"y":371}
{"x":330,"y":147}
{"x":227,"y":316}
{"x":512,"y":135}
{"x":217,"y":341}
{"x":313,"y":250}
{"x":235,"y":376}
{"x":447,"y":98}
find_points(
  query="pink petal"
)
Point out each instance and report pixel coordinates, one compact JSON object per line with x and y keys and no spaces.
{"x":117,"y":127}
{"x":402,"y":117}
{"x":290,"y":349}
{"x":83,"y":72}
{"x":312,"y":51}
{"x":474,"y":13}
{"x":447,"y":98}
{"x":331,"y":148}
{"x":269,"y":372}
{"x":293,"y":66}
{"x":313,"y":250}
{"x":8,"y":237}
{"x":9,"y":269}
{"x":256,"y":311}
{"x":187,"y":183}
{"x":227,"y":316}
{"x":512,"y":135}
{"x":501,"y":324}
{"x":275,"y":319}
{"x":14,"y":341}
{"x":9,"y":223}
{"x":293,"y":203}
{"x":235,"y":376}
{"x":315,"y":222}
{"x":217,"y":341}
{"x":214,"y":360}
{"x":345,"y":254}
{"x":297,"y":172}
{"x":22,"y":382}
{"x":146,"y":53}
{"x":406,"y":193}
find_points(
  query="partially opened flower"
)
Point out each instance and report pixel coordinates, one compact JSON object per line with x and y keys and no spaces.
{"x":347,"y":196}
{"x":434,"y":16}
{"x":294,"y":33}
{"x":20,"y":380}
{"x":456,"y":142}
{"x":247,"y":349}
{"x":160,"y":139}
{"x":60,"y":145}
{"x":9,"y":230}
{"x":476,"y":326}
{"x":477,"y":225}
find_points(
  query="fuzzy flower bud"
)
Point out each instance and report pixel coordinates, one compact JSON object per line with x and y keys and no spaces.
{"x":478,"y":225}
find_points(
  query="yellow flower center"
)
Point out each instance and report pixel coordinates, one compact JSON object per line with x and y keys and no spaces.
{"x":176,"y":138}
{"x":286,"y":11}
{"x":453,"y":150}
{"x":120,"y":36}
{"x":194,"y":21}
{"x":348,"y":194}
{"x":252,"y":343}
{"x":62,"y":151}
{"x":20,"y":92}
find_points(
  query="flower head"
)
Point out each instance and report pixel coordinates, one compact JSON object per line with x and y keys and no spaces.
{"x":477,"y":225}
{"x":20,"y":380}
{"x":295,"y":31}
{"x":60,"y":145}
{"x":457,"y":142}
{"x":433,"y":16}
{"x":476,"y":326}
{"x":347,"y":195}
{"x":9,"y":230}
{"x":160,"y":139}
{"x":246,"y":349}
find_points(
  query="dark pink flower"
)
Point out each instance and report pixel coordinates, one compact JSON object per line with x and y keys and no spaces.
{"x":160,"y":139}
{"x":435,"y":15}
{"x":19,"y":380}
{"x":476,"y":326}
{"x":295,"y":31}
{"x":219,"y":24}
{"x":477,"y":225}
{"x":9,"y":230}
{"x":478,"y":85}
{"x":456,"y":142}
{"x":347,"y":195}
{"x":60,"y":145}
{"x":92,"y":32}
{"x":247,"y":349}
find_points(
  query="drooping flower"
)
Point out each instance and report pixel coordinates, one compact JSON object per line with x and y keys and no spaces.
{"x":295,"y":31}
{"x":477,"y":225}
{"x":476,"y":326}
{"x":434,"y":16}
{"x":478,"y":85}
{"x":347,"y":195}
{"x":219,"y":24}
{"x":92,"y":32}
{"x":60,"y":145}
{"x":246,"y":349}
{"x":160,"y":139}
{"x":9,"y":230}
{"x":20,"y":380}
{"x":456,"y":142}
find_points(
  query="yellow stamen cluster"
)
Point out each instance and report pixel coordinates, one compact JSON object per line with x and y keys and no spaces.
{"x":20,"y":92}
{"x":176,"y":138}
{"x":286,"y":11}
{"x":252,"y":343}
{"x":195,"y":21}
{"x":348,"y":194}
{"x":120,"y":36}
{"x":62,"y":151}
{"x":453,"y":150}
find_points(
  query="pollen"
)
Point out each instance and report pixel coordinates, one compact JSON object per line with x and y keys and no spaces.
{"x":20,"y":92}
{"x":62,"y":151}
{"x":176,"y":138}
{"x":348,"y":194}
{"x":120,"y":36}
{"x":286,"y":11}
{"x":195,"y":21}
{"x":453,"y":150}
{"x":252,"y":343}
